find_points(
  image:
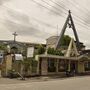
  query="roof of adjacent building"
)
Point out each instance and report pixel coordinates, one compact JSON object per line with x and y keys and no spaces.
{"x":11,"y":42}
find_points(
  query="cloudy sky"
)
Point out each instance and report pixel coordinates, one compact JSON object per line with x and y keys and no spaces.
{"x":36,"y":20}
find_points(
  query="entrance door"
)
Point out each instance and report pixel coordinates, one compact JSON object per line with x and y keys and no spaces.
{"x":51,"y":65}
{"x":73,"y":66}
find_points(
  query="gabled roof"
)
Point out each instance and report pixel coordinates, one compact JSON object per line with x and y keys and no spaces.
{"x":72,"y":49}
{"x":69,"y":21}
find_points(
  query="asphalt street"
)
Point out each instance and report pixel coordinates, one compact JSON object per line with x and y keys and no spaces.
{"x":75,"y":83}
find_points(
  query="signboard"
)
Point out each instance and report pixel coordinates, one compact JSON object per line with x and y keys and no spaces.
{"x":30,"y":52}
{"x":18,"y":57}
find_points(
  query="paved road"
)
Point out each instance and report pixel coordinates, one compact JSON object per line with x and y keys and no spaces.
{"x":76,"y":83}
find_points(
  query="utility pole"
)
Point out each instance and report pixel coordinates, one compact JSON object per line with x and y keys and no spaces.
{"x":15,"y":35}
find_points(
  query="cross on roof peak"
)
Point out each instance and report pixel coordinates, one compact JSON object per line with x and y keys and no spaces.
{"x":15,"y":34}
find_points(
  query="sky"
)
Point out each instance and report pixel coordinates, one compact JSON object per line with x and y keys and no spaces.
{"x":36,"y":20}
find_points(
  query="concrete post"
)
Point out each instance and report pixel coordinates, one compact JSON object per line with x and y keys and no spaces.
{"x":0,"y":74}
{"x":69,"y":65}
{"x":57,"y":65}
{"x":8,"y":64}
{"x":44,"y":66}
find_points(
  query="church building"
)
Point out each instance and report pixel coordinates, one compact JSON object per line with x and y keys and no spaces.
{"x":72,"y":61}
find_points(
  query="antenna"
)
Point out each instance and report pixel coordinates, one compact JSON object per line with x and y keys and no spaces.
{"x":57,"y":30}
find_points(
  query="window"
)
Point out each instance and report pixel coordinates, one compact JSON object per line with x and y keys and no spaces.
{"x":87,"y":66}
{"x":61,"y":66}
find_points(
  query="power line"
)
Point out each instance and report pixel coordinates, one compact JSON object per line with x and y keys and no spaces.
{"x":57,"y":13}
{"x":54,"y":11}
{"x":75,"y":8}
{"x":58,"y":5}
{"x":52,"y":6}
{"x":83,"y":24}
{"x":82,"y":6}
{"x":65,"y":9}
{"x":82,"y":11}
{"x":49,"y":9}
{"x":43,"y":22}
{"x":75,"y":5}
{"x":75,"y":15}
{"x":79,"y":18}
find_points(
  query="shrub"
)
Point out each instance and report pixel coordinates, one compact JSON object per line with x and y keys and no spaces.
{"x":41,"y":49}
{"x":52,"y":51}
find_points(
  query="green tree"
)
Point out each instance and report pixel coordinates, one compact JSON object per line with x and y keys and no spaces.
{"x":65,"y":40}
{"x":41,"y":49}
{"x":14,"y":49}
{"x":3,"y":47}
{"x":51,"y":51}
{"x":30,"y":64}
{"x":27,"y":65}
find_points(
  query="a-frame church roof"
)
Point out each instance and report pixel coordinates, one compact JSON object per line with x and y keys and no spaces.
{"x":69,"y":21}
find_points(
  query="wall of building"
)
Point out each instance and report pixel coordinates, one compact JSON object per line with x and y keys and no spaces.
{"x":51,"y":42}
{"x":81,"y":68}
{"x":7,"y":65}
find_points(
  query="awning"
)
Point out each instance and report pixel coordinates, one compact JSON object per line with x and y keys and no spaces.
{"x":79,"y":58}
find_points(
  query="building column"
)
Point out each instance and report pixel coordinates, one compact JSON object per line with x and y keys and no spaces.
{"x":0,"y":74}
{"x":38,"y":67}
{"x":69,"y":66}
{"x":44,"y":66}
{"x":57,"y":61}
{"x":8,"y":64}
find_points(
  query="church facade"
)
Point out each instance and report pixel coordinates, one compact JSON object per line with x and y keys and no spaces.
{"x":72,"y":62}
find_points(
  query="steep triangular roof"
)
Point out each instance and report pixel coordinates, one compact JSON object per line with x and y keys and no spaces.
{"x":69,"y":21}
{"x":72,"y":49}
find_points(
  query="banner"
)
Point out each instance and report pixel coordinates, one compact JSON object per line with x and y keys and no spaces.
{"x":18,"y":57}
{"x":30,"y":52}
